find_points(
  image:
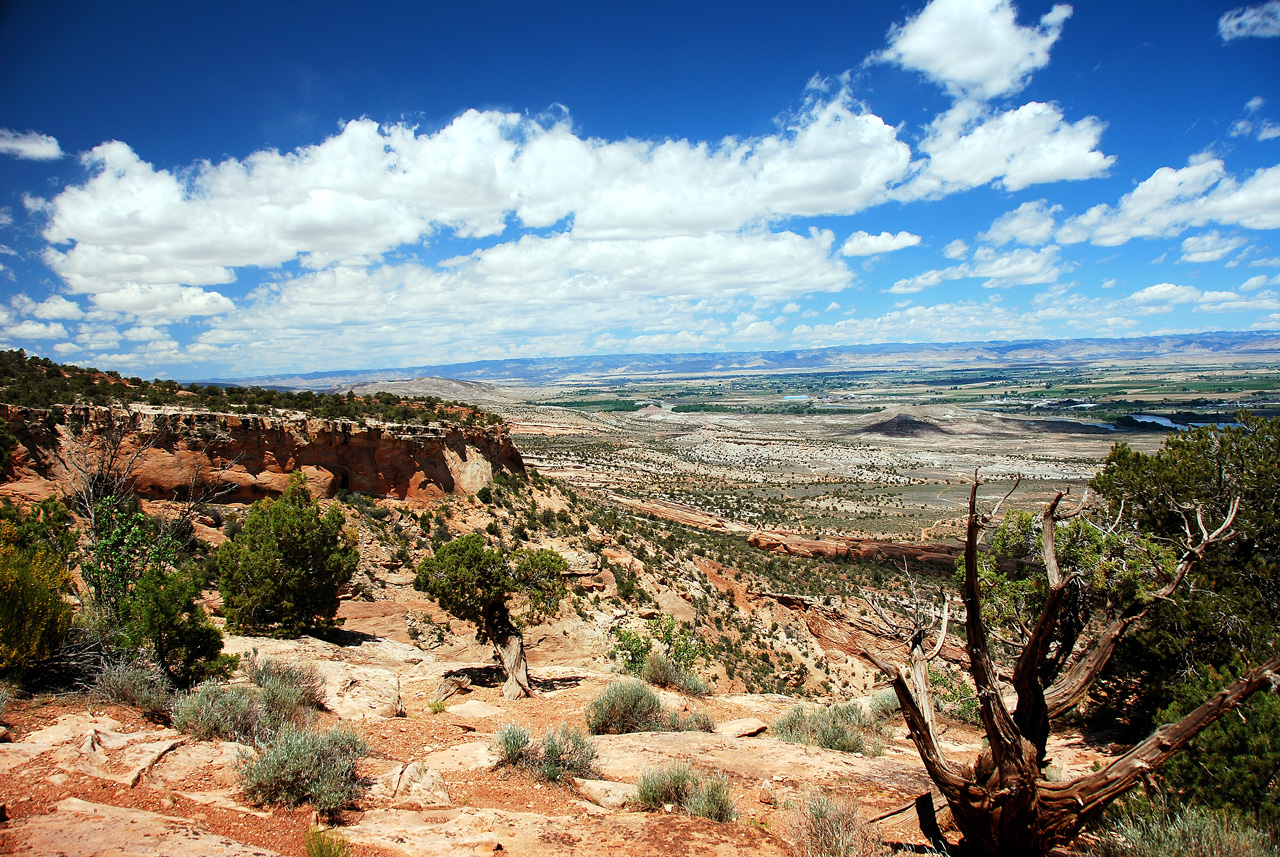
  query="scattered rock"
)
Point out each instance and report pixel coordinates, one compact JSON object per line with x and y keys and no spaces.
{"x":605,"y":793}
{"x":474,"y":708}
{"x":743,"y":728}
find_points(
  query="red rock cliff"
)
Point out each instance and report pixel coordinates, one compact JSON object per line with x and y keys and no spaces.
{"x":252,"y":455}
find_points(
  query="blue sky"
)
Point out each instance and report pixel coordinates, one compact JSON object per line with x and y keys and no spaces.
{"x":221,"y":189}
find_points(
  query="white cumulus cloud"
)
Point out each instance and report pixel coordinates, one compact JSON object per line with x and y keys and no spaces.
{"x":1031,"y":223}
{"x":1000,"y":269}
{"x":865,"y":244}
{"x":29,"y":146}
{"x":1174,"y":200}
{"x":974,"y":48}
{"x":970,"y":146}
{"x":1209,"y":247}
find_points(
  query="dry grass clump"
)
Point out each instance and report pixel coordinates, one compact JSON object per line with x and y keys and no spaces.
{"x":847,"y":728}
{"x":564,"y":751}
{"x":823,"y":826}
{"x":703,"y":795}
{"x":632,"y":706}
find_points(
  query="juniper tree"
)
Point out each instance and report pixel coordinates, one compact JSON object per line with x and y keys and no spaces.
{"x":477,"y":584}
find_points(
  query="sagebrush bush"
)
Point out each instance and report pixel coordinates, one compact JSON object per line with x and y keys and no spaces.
{"x":321,"y":843}
{"x":830,"y":827}
{"x":218,"y":712}
{"x":693,"y":721}
{"x":299,"y":766}
{"x":711,"y":799}
{"x":622,"y":707}
{"x":661,"y":786}
{"x":138,"y":684}
{"x":660,"y":671}
{"x":288,"y":693}
{"x":632,"y":706}
{"x":1188,"y":831}
{"x":706,"y":796}
{"x":565,"y":751}
{"x":6,"y":694}
{"x":835,"y":727}
{"x":511,"y":743}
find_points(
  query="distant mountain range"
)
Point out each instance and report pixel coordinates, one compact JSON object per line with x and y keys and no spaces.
{"x":539,"y":371}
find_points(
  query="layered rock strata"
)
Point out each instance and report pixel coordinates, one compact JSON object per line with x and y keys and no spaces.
{"x":171,"y":453}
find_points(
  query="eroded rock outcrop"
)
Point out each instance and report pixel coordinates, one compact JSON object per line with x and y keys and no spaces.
{"x":250,"y":456}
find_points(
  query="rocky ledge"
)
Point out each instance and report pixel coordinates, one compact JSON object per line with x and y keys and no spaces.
{"x":173,"y":452}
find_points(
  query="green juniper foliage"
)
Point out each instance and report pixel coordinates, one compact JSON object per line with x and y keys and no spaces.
{"x":282,"y":571}
{"x":474,"y":583}
{"x":1227,"y":607}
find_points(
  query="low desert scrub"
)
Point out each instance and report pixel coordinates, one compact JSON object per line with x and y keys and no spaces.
{"x":632,"y":706}
{"x":563,"y":751}
{"x":703,"y":795}
{"x":1188,"y":831}
{"x":660,"y":671}
{"x":218,"y":712}
{"x":511,"y":743}
{"x":823,"y":826}
{"x":301,"y":766}
{"x":282,"y":694}
{"x":321,"y":843}
{"x":288,"y":692}
{"x":6,"y":694}
{"x":847,"y":728}
{"x":138,"y":684}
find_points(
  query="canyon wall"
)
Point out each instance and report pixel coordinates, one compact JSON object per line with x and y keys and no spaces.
{"x":247,"y":457}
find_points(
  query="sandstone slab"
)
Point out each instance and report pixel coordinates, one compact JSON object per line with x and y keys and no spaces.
{"x":605,"y":793}
{"x":83,"y":829}
{"x":742,"y":728}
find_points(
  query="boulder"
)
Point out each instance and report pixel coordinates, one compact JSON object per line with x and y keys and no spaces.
{"x":606,"y":793}
{"x":742,"y":728}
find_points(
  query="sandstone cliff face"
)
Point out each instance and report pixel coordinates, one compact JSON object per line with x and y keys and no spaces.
{"x":252,"y":456}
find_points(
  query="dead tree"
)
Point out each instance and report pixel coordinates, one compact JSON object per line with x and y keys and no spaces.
{"x":914,"y":632}
{"x":1006,"y":806}
{"x":100,"y":451}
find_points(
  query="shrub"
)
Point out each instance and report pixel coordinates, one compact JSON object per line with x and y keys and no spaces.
{"x":830,"y":827}
{"x":138,"y":684}
{"x":694,"y":721}
{"x":300,"y":766}
{"x":33,"y":615}
{"x":511,"y":743}
{"x":165,"y":618}
{"x":437,"y":706}
{"x":6,"y":694}
{"x":661,"y":786}
{"x":706,"y":797}
{"x":283,"y":570}
{"x":288,"y":693}
{"x":565,"y":750}
{"x":218,"y":712}
{"x":319,"y":843}
{"x":631,"y":649}
{"x":1185,"y":832}
{"x":624,"y":706}
{"x":711,"y":799}
{"x":661,"y":671}
{"x":835,"y":727}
